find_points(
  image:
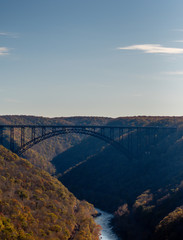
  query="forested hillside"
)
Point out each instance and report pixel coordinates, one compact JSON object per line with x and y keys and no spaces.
{"x":34,"y":205}
{"x":145,"y":193}
{"x":109,"y":180}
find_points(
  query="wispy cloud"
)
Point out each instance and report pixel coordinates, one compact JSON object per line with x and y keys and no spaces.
{"x":137,"y":95}
{"x":9,"y":34}
{"x":4,"y":51}
{"x":10,"y":100}
{"x":174,"y":73}
{"x":178,"y":30}
{"x":153,"y":48}
{"x":179,"y":41}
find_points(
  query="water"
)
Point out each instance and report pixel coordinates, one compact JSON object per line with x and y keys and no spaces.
{"x":104,"y":221}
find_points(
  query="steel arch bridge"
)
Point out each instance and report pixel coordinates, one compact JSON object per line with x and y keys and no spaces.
{"x":131,"y":141}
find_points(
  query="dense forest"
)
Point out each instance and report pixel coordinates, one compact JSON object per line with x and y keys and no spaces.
{"x":34,"y":205}
{"x":145,"y":193}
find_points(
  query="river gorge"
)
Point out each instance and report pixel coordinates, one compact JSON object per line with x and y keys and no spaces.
{"x":104,"y":221}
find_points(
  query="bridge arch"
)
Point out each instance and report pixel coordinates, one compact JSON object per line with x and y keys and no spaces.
{"x":83,"y":131}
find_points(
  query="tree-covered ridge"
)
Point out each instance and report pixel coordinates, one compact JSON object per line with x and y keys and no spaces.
{"x":34,"y":205}
{"x":153,"y":216}
{"x":170,"y":227}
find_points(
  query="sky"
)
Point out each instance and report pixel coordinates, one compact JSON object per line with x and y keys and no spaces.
{"x":91,"y":57}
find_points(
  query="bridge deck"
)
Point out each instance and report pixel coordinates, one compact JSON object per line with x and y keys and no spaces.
{"x":86,"y":126}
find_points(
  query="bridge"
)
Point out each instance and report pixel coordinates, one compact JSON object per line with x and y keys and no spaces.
{"x":131,"y":141}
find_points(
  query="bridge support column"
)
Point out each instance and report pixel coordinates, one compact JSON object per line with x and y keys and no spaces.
{"x":121,"y":132}
{"x":138,"y":140}
{"x":43,"y":131}
{"x":22,"y":136}
{"x":12,"y":139}
{"x":102,"y":131}
{"x":112,"y":133}
{"x":131,"y":141}
{"x":1,"y":136}
{"x":33,"y":134}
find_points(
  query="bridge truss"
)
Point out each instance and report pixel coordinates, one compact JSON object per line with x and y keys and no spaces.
{"x":131,"y":141}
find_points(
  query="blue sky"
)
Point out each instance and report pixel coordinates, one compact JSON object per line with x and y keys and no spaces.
{"x":94,"y":58}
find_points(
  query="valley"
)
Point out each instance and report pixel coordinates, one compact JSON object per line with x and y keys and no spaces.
{"x":144,"y":194}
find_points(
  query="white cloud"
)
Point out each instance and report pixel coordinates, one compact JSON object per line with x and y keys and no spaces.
{"x":174,"y":73}
{"x":4,"y":51}
{"x":153,"y":48}
{"x":9,"y":35}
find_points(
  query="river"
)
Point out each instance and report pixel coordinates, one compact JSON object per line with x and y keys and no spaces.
{"x":104,"y":222}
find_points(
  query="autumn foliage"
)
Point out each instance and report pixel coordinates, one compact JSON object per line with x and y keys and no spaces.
{"x":34,"y":205}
